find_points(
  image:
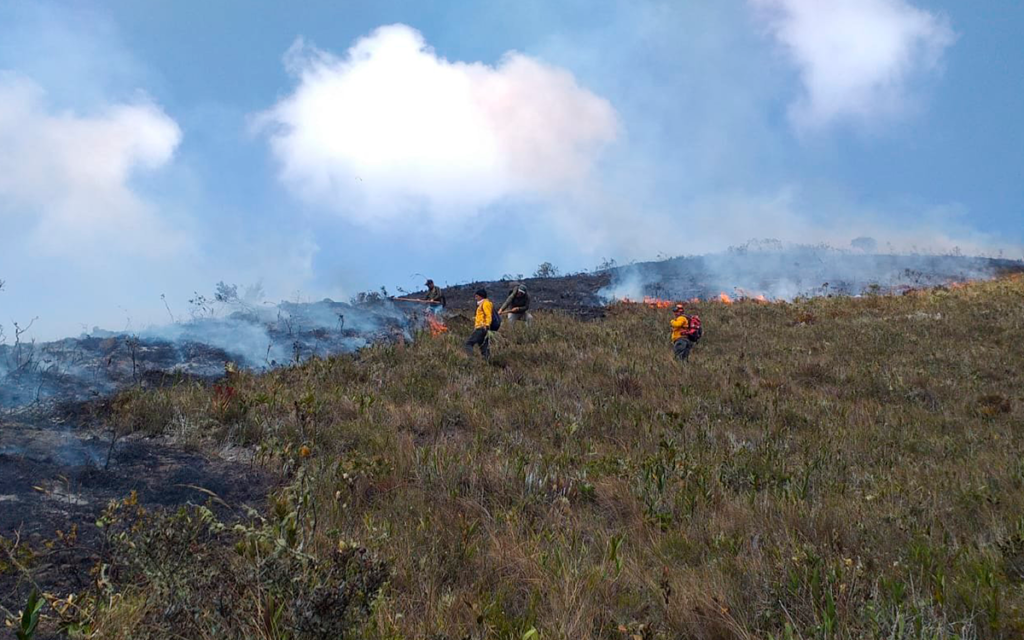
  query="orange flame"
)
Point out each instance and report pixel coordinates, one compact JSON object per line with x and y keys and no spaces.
{"x":657,"y":303}
{"x":654,"y":303}
{"x":722,"y":297}
{"x":436,"y":325}
{"x":744,"y":294}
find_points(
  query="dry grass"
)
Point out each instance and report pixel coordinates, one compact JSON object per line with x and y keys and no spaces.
{"x":832,"y":468}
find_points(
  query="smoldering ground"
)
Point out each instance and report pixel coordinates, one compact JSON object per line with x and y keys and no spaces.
{"x":783,"y":272}
{"x":771,"y":269}
{"x":228,"y":328}
{"x":59,"y":459}
{"x":256,"y":336}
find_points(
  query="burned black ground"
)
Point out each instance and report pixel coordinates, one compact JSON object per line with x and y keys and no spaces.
{"x":56,"y":478}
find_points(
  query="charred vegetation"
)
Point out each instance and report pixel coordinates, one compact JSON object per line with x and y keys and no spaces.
{"x":822,"y":467}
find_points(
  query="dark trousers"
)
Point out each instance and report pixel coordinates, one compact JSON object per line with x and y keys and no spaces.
{"x":479,"y":337}
{"x":682,"y":347}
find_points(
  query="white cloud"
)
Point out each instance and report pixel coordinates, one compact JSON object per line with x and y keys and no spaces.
{"x":858,"y":59}
{"x":391,"y":130}
{"x":65,"y":177}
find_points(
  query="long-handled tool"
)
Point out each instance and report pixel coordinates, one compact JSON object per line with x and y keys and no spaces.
{"x":417,"y":300}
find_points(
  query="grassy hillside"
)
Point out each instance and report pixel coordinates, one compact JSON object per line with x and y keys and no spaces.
{"x":831,"y":468}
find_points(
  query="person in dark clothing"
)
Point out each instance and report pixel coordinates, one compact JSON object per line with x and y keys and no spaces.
{"x":482,"y":325}
{"x":434,"y":296}
{"x":517,"y":305}
{"x":681,"y":348}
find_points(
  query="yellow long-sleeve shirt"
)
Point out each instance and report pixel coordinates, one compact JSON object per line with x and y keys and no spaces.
{"x":484,"y":311}
{"x":679,"y":327}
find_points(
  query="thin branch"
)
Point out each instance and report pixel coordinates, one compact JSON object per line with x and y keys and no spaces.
{"x":30,"y":323}
{"x":168,"y":307}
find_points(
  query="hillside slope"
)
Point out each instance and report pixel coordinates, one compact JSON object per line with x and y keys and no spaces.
{"x":833,"y":468}
{"x":783,"y":273}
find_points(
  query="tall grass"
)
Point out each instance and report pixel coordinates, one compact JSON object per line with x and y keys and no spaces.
{"x":830,"y":468}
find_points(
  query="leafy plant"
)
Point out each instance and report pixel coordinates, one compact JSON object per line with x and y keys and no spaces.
{"x":30,"y":616}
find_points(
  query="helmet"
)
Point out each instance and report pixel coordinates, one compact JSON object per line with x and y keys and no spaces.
{"x":679,"y":308}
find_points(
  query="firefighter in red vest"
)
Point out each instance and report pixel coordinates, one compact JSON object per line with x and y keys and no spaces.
{"x":686,"y":331}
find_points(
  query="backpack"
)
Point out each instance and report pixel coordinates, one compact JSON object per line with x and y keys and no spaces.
{"x":495,"y":320}
{"x":695,"y":331}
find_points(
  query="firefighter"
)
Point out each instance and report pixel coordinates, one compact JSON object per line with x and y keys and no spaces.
{"x":434,"y":296}
{"x":517,"y":305}
{"x":482,"y":326}
{"x":686,"y":331}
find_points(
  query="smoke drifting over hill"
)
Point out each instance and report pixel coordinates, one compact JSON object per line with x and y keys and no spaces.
{"x":257,"y":337}
{"x":228,"y":328}
{"x":783,"y":273}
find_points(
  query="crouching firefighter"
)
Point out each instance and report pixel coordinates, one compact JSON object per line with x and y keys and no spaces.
{"x":686,"y":331}
{"x":517,"y":305}
{"x":486,"y":321}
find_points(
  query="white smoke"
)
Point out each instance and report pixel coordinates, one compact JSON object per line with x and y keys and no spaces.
{"x":227,"y":327}
{"x":858,"y":59}
{"x":783,"y":271}
{"x":391,"y":130}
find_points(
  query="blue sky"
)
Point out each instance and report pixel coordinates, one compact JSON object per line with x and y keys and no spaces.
{"x":323,"y":148}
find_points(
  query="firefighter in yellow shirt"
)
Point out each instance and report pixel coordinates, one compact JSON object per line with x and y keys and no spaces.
{"x":482,"y":326}
{"x":684,"y":332}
